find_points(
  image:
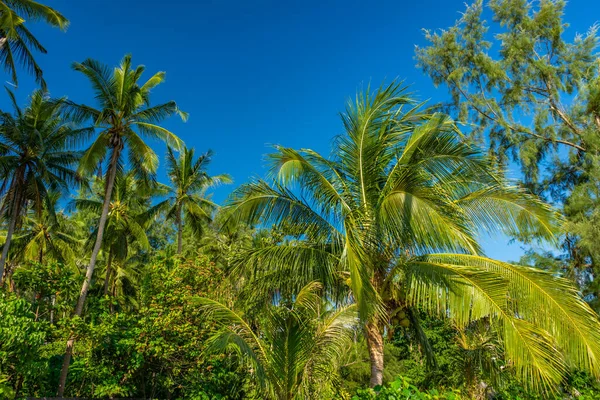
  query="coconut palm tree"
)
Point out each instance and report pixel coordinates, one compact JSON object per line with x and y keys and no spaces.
{"x":48,"y":235}
{"x":397,"y":209}
{"x":126,"y":222}
{"x":17,"y":42}
{"x":296,"y":353}
{"x":34,"y":159}
{"x":187,"y":202}
{"x":123,"y":118}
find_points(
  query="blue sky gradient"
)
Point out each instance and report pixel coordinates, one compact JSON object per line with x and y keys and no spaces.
{"x":253,"y":74}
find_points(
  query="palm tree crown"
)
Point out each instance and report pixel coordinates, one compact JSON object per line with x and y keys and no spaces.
{"x":16,"y":41}
{"x":397,"y":209}
{"x":47,"y":236}
{"x":126,"y":224}
{"x":187,"y":199}
{"x":34,"y":158}
{"x":297,"y":355}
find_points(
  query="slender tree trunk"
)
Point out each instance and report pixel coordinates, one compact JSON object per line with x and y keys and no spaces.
{"x":11,"y":228}
{"x":108,"y":271}
{"x":179,"y":230}
{"x":53,"y":302}
{"x":110,"y":182}
{"x":65,"y":367}
{"x":375,"y":345}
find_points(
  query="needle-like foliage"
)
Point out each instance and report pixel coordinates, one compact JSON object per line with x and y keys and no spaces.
{"x":403,"y":184}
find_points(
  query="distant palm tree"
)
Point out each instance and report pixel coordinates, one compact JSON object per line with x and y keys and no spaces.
{"x":126,"y":222}
{"x":47,"y":236}
{"x":16,"y":41}
{"x":296,"y":354}
{"x":187,"y":200}
{"x":397,"y":209}
{"x":34,"y":159}
{"x":123,"y":115}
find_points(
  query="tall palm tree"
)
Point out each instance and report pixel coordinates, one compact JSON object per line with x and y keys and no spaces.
{"x":397,"y":209}
{"x":34,"y":159}
{"x":187,"y":201}
{"x":296,"y":353}
{"x":16,"y":41}
{"x":124,"y":116}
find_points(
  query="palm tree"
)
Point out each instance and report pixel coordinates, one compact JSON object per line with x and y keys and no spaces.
{"x":124,"y":116}
{"x":16,"y":41}
{"x":48,"y":235}
{"x":296,"y":354}
{"x":187,"y":200}
{"x":397,"y":209}
{"x":126,"y":222}
{"x":33,"y":159}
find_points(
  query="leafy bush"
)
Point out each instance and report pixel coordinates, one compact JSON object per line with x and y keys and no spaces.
{"x":401,"y":388}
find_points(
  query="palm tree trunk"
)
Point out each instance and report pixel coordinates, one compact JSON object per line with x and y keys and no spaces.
{"x":110,"y":182}
{"x":53,"y":302}
{"x":108,"y":271}
{"x":11,"y":228}
{"x":375,"y":345}
{"x":179,"y":230}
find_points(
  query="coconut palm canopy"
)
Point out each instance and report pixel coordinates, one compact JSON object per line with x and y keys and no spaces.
{"x":300,"y":348}
{"x":398,"y":206}
{"x":17,"y":42}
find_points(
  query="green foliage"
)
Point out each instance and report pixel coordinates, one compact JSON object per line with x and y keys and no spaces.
{"x":402,"y":388}
{"x":296,"y":352}
{"x":396,"y":210}
{"x":532,"y":91}
{"x":34,"y":160}
{"x":156,"y":350}
{"x":187,"y":202}
{"x":355,"y":368}
{"x":21,"y":338}
{"x":270,"y":297}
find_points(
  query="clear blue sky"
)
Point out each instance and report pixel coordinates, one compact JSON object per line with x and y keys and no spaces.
{"x":255,"y":73}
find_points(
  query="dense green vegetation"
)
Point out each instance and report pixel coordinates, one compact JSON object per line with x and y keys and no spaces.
{"x":356,"y":275}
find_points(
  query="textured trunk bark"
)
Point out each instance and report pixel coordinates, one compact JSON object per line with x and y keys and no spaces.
{"x":375,"y":345}
{"x":179,"y":231}
{"x":53,"y":302}
{"x":65,"y":367}
{"x":112,"y":173}
{"x":108,"y":271}
{"x":11,"y":228}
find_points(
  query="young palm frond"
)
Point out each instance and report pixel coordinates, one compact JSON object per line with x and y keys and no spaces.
{"x":296,"y":355}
